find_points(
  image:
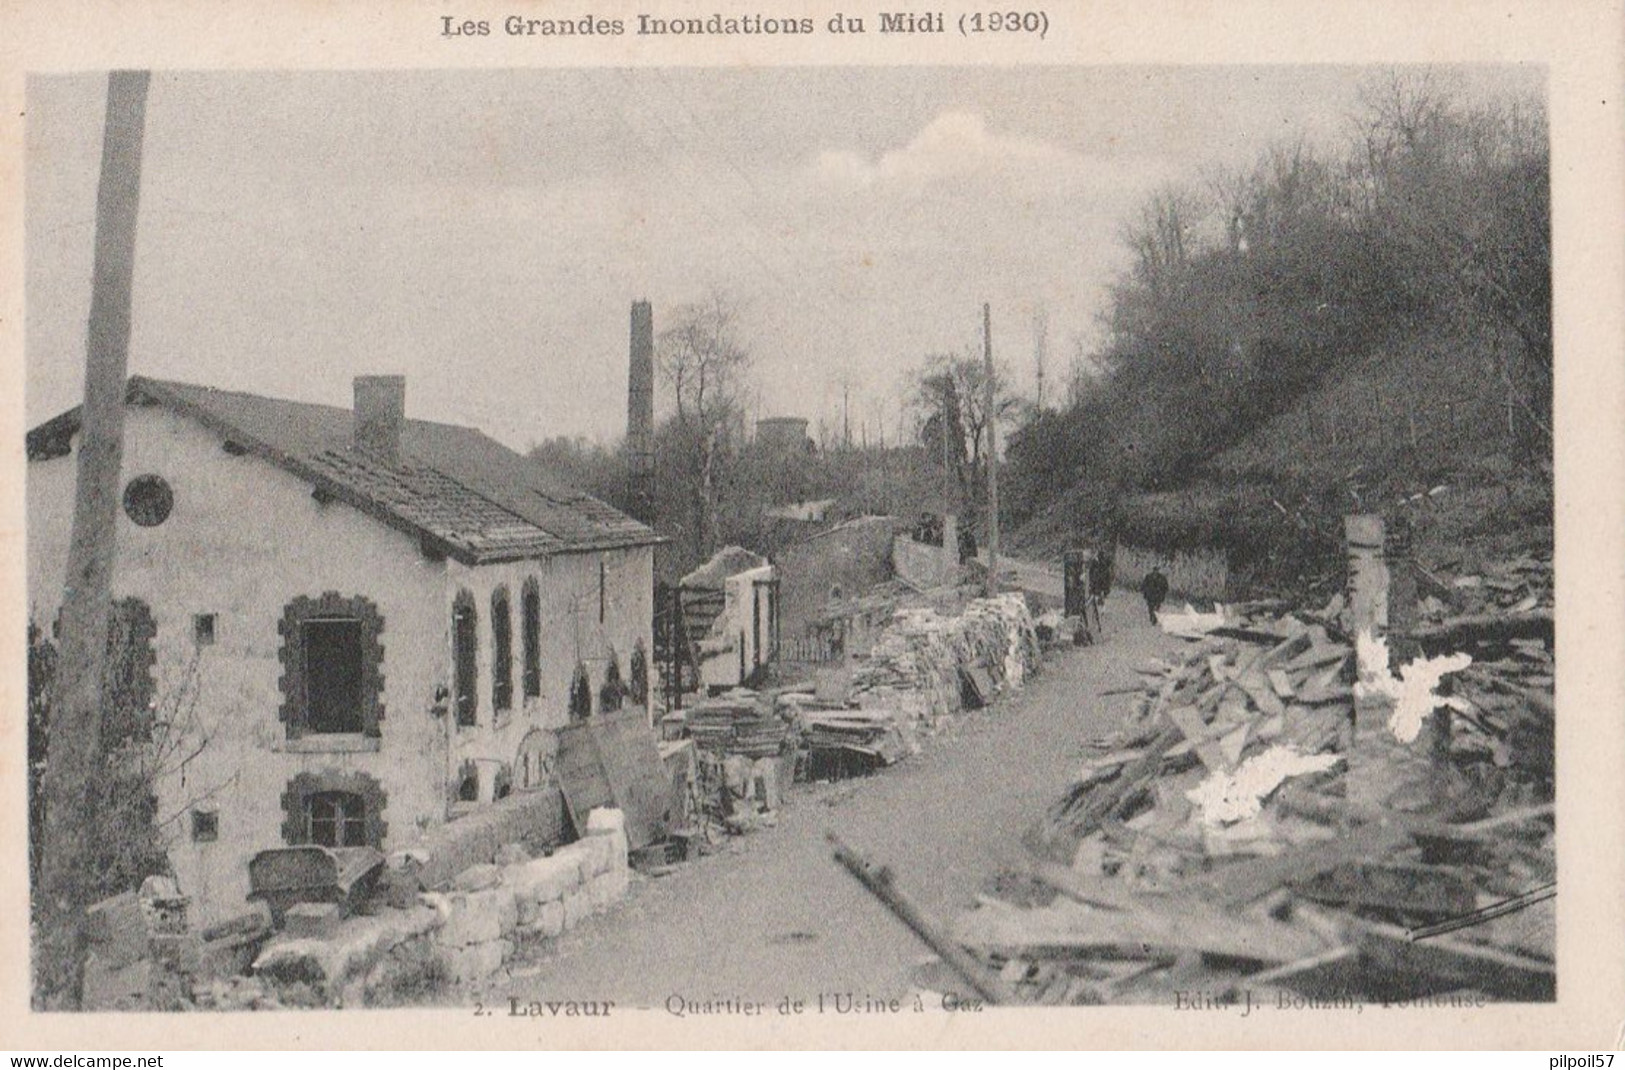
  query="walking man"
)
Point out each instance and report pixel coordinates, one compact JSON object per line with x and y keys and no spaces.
{"x":1155,"y":588}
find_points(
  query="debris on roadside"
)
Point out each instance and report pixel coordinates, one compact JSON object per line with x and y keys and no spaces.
{"x":1224,"y":838}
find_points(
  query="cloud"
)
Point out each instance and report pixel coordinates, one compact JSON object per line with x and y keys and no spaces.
{"x":954,"y":144}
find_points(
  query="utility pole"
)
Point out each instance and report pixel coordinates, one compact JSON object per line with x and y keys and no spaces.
{"x":1040,"y":349}
{"x":990,"y":419}
{"x":950,"y":525}
{"x":846,"y":415}
{"x":74,"y":749}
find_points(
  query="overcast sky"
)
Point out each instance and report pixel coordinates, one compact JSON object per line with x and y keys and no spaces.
{"x":484,"y":232}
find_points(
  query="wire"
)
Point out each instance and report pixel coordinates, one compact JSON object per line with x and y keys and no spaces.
{"x":1494,"y":910}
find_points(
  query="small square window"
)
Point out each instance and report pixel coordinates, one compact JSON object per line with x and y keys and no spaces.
{"x":205,"y":826}
{"x":203,"y":629}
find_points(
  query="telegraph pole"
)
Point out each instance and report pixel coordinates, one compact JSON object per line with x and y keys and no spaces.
{"x":990,"y":420}
{"x":74,"y":748}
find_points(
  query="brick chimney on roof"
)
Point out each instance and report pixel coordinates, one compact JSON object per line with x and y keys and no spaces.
{"x":380,"y":414}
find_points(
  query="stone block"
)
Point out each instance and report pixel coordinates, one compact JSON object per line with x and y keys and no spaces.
{"x":110,"y":987}
{"x":619,"y":881}
{"x":605,"y":820}
{"x":477,"y":878}
{"x":447,"y":850}
{"x":512,"y":854}
{"x":499,"y":901}
{"x":574,"y":854}
{"x":117,"y":930}
{"x":597,"y":854}
{"x":399,"y":887}
{"x":159,"y":887}
{"x":619,"y":849}
{"x":576,"y":907}
{"x":549,"y":920}
{"x":544,"y":879}
{"x":474,"y":919}
{"x":317,"y":921}
{"x":603,"y":892}
{"x":477,"y":961}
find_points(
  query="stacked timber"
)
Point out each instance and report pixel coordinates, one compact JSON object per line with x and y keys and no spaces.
{"x":1215,"y":843}
{"x":881,"y":734}
{"x":739,"y":722}
{"x":924,"y":665}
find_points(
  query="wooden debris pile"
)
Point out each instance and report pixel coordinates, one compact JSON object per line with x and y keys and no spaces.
{"x":743,"y":756}
{"x":1215,"y":843}
{"x":882,"y":735}
{"x":933,"y":654}
{"x":738,"y":722}
{"x":1503,"y":616}
{"x":925,"y":665}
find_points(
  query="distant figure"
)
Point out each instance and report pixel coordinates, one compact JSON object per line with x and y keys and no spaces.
{"x":1100,"y":576}
{"x":1155,"y":588}
{"x":967,"y":545}
{"x":1100,"y":584}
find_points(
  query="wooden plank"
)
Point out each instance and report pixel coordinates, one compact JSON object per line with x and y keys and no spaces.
{"x":581,"y":774}
{"x":630,"y":758}
{"x":1237,"y":884}
{"x":1201,"y":737}
{"x":1427,"y":891}
{"x":1440,"y":964}
{"x":1076,"y":927}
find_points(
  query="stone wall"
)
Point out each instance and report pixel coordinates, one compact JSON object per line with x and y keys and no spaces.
{"x":920,"y":564}
{"x":851,"y":557}
{"x":459,"y":935}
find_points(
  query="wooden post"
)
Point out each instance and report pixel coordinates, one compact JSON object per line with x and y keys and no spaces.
{"x":990,"y":421}
{"x":1383,"y":772}
{"x":879,"y":882}
{"x":74,"y":751}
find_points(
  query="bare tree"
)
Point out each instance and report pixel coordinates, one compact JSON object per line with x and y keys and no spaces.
{"x":1160,"y":236}
{"x":1463,"y":192}
{"x":703,"y":358}
{"x":950,"y":390}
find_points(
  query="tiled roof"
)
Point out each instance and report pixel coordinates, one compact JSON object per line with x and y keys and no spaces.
{"x":465,"y":494}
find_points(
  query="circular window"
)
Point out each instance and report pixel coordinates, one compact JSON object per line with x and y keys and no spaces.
{"x":148,"y":500}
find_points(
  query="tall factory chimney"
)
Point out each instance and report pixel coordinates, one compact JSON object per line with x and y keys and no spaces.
{"x":640,"y":414}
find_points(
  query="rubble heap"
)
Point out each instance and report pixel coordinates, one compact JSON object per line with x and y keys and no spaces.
{"x":991,"y":644}
{"x":923,"y":666}
{"x":1225,"y":838}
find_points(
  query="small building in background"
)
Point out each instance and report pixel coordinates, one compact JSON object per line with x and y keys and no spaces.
{"x":787,"y":434}
{"x":731,"y":609}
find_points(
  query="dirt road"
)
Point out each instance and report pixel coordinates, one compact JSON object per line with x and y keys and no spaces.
{"x":773,"y":915}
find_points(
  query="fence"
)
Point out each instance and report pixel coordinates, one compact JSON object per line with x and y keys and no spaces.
{"x":816,"y":648}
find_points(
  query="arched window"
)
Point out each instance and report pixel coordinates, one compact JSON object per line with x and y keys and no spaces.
{"x":637,"y":685}
{"x":530,"y":636}
{"x":612,"y":695}
{"x":580,"y":694}
{"x":535,"y":759}
{"x":336,"y":819}
{"x":468,"y":782}
{"x":465,"y":656}
{"x":501,"y":650}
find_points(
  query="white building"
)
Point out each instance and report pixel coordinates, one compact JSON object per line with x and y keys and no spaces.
{"x":361,"y":625}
